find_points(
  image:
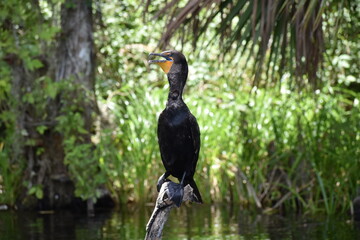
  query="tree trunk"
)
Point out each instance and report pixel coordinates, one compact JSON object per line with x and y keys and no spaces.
{"x":75,"y":63}
{"x":75,"y":54}
{"x":72,"y":62}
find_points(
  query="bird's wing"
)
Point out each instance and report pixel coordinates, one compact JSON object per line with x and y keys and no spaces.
{"x":195,"y":135}
{"x":162,"y":142}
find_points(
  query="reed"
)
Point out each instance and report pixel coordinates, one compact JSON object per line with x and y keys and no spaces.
{"x":278,"y":150}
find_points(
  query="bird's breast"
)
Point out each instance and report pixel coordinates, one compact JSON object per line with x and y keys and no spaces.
{"x":177,"y":119}
{"x":174,"y":117}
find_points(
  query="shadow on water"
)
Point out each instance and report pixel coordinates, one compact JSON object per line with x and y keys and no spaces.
{"x":188,"y":222}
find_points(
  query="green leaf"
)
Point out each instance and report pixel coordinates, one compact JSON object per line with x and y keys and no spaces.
{"x":48,"y":33}
{"x":32,"y":190}
{"x":82,"y":130}
{"x":29,"y":98}
{"x":33,"y":64}
{"x":37,"y":63}
{"x":51,"y":90}
{"x":41,"y":129}
{"x":39,"y":193}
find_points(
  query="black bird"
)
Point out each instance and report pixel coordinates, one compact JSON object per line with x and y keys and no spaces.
{"x":178,"y":131}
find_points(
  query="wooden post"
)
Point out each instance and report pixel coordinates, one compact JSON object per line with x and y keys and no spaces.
{"x":162,"y":209}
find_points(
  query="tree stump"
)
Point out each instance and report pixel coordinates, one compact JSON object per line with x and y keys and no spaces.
{"x":162,"y":209}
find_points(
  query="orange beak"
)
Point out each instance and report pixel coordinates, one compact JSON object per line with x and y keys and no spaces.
{"x":164,"y":64}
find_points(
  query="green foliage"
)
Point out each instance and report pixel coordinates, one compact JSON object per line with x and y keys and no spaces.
{"x":10,"y":178}
{"x":37,"y":190}
{"x":267,"y":145}
{"x":283,"y":142}
{"x":81,"y":155}
{"x":22,"y":36}
{"x":135,"y":138}
{"x":279,"y":36}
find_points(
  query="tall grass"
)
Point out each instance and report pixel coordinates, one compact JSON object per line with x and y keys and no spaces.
{"x":273,"y":149}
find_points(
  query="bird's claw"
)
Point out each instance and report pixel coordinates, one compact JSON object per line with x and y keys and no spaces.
{"x":160,"y":182}
{"x":178,"y":194}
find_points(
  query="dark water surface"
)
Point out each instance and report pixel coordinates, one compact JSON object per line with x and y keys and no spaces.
{"x":189,"y":222}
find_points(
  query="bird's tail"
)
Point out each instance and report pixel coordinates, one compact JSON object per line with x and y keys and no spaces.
{"x":196,"y":190}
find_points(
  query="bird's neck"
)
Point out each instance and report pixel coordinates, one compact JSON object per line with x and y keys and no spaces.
{"x":177,"y":83}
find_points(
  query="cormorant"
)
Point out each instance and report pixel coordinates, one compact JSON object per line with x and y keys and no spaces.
{"x":178,"y":131}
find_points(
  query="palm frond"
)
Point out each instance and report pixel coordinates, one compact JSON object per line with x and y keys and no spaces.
{"x":284,"y":33}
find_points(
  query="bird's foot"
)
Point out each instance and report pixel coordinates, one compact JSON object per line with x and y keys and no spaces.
{"x":161,"y":181}
{"x":177,"y":194}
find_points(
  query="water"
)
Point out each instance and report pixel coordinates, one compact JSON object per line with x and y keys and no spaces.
{"x":188,"y":222}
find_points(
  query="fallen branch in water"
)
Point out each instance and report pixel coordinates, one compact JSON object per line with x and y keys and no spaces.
{"x":162,"y":208}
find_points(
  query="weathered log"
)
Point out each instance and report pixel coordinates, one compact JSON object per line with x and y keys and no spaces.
{"x":162,"y":208}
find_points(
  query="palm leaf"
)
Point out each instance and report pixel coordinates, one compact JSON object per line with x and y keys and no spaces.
{"x":290,"y":30}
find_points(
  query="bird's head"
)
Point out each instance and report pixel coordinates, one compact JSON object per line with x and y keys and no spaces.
{"x":175,"y":66}
{"x":174,"y":62}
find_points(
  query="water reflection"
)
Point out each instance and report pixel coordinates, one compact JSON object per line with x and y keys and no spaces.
{"x":189,"y":222}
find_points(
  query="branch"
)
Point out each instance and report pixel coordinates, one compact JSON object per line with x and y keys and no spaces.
{"x":162,"y":208}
